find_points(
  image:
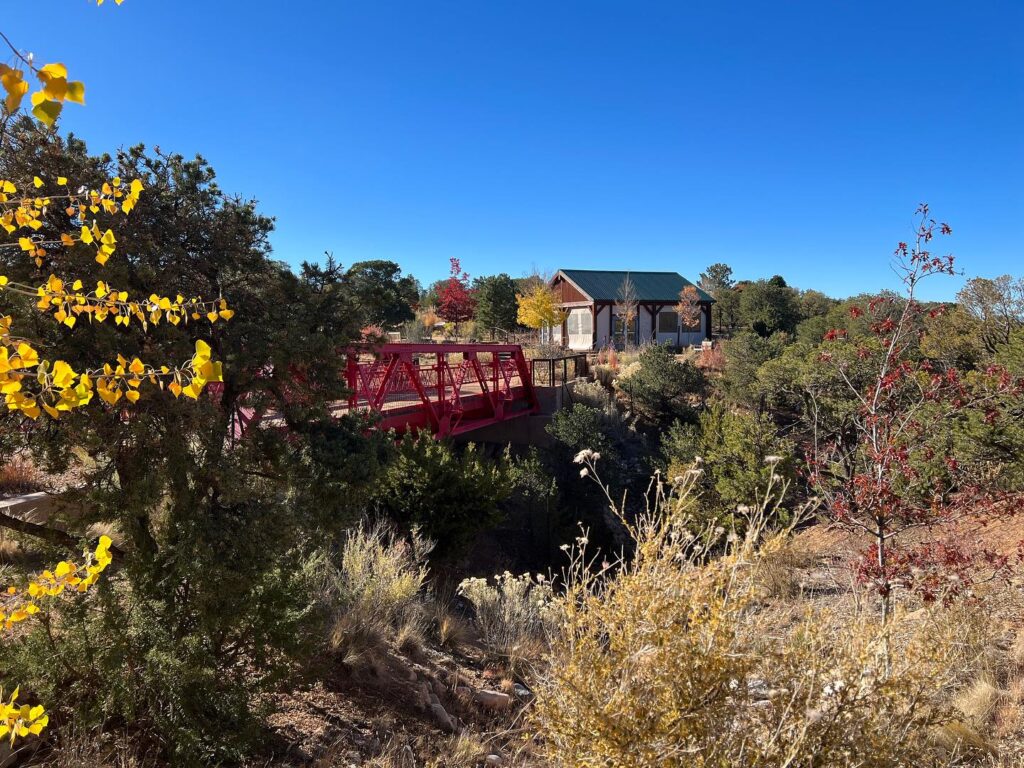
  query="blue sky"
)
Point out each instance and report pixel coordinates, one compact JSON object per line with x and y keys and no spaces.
{"x":785,"y":137}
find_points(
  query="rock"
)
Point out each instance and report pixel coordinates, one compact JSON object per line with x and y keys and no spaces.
{"x":493,"y":760}
{"x":495,"y":700}
{"x":442,"y":718}
{"x":439,"y":688}
{"x":522,"y":691}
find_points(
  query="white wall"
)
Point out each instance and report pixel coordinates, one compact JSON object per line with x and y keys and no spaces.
{"x":644,"y":331}
{"x":601,"y":335}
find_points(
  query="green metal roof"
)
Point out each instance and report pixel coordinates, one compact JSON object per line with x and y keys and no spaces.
{"x":602,"y":285}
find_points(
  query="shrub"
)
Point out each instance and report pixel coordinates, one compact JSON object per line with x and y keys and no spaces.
{"x":661,"y":389}
{"x":584,"y":426}
{"x":207,"y":608}
{"x":513,"y":615}
{"x":592,"y":394}
{"x":375,"y":590}
{"x":604,"y":374}
{"x":668,"y":661}
{"x":744,"y":355}
{"x":448,"y":494}
{"x":739,"y":453}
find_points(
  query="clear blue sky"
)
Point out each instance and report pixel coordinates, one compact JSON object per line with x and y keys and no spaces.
{"x":779,"y":137}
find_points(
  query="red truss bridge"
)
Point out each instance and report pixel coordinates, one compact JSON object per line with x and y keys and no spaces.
{"x":446,"y":389}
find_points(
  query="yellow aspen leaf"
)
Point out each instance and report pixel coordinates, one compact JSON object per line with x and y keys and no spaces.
{"x":29,"y":357}
{"x":132,"y":395}
{"x":62,"y":181}
{"x":37,"y":181}
{"x":45,"y":110}
{"x":53,"y":70}
{"x":76,"y":92}
{"x":14,"y":83}
{"x":86,"y":235}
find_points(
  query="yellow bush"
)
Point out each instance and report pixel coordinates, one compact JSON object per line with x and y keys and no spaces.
{"x":376,"y":588}
{"x":513,"y":615}
{"x":674,"y":660}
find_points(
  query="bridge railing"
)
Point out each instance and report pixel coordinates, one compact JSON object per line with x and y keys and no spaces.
{"x":445,"y":388}
{"x":555,"y":371}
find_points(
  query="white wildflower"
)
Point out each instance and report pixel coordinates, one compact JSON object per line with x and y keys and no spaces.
{"x":772,"y":459}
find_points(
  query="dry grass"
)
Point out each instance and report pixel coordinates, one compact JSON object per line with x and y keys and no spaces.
{"x":411,"y":636}
{"x":111,"y":530}
{"x":779,"y":570}
{"x":674,"y":631}
{"x":78,"y":749}
{"x":19,"y":476}
{"x":514,"y":615}
{"x":978,"y":702}
{"x":463,"y":750}
{"x":451,"y":631}
{"x":376,"y":593}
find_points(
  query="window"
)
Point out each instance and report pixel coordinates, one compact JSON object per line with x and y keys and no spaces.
{"x":579,"y":322}
{"x":621,"y":335}
{"x":668,"y":322}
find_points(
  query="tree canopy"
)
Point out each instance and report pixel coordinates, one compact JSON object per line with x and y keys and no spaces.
{"x":381,"y":294}
{"x":496,"y":305}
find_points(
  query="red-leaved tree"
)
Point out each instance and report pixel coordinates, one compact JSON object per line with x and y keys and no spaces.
{"x":891,"y":476}
{"x":456,"y":302}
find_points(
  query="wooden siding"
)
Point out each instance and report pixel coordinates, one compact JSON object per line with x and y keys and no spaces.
{"x":568,"y":292}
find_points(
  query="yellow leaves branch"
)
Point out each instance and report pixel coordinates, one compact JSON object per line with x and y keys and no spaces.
{"x":24,"y":212}
{"x":17,"y":605}
{"x":104,"y":302}
{"x":31,"y":385}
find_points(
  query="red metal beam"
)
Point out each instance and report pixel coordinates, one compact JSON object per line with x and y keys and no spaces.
{"x":405,"y":392}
